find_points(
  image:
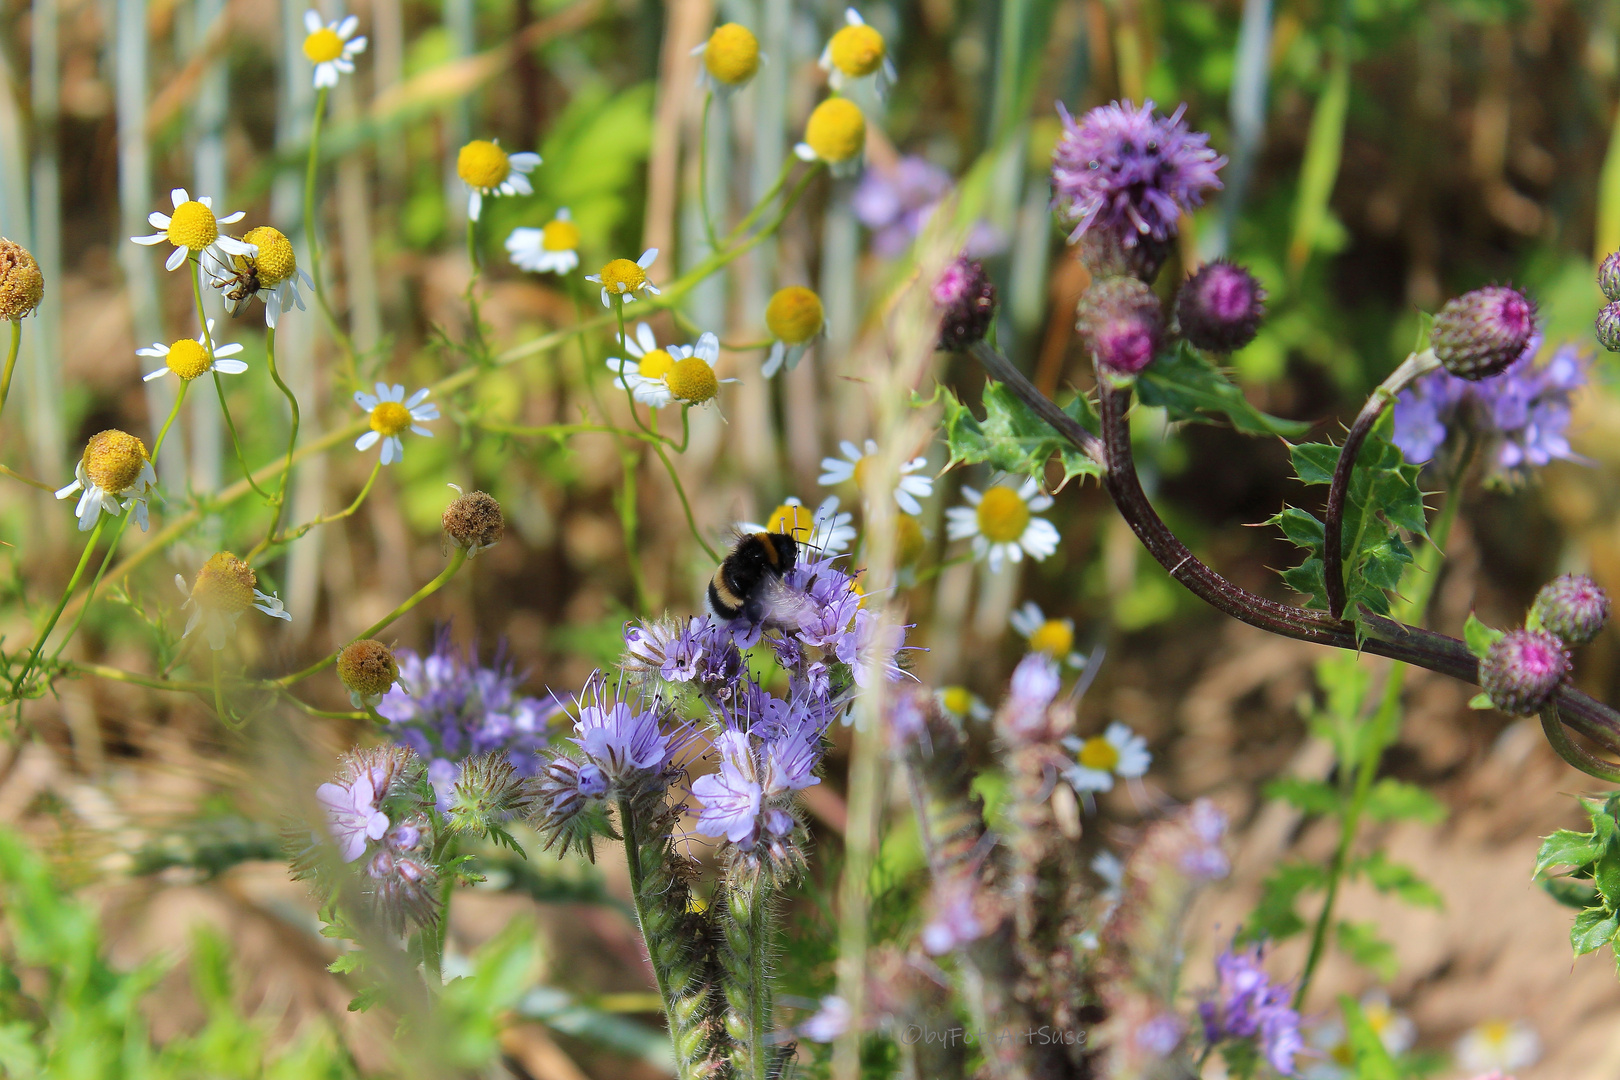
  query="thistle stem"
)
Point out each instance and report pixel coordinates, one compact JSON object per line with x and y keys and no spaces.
{"x":1572,"y":754}
{"x":11,"y":362}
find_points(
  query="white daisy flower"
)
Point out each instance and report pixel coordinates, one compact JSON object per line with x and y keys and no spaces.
{"x":623,"y":278}
{"x":731,"y":57}
{"x":1054,"y":637}
{"x":1118,"y":751}
{"x":115,"y":475}
{"x":194,"y":229}
{"x":962,"y":704}
{"x":857,"y":52}
{"x":645,"y":374}
{"x":835,"y":134}
{"x":331,"y":47}
{"x":553,"y":249}
{"x":1002,"y":524}
{"x":272,"y":275}
{"x":855,"y":462}
{"x":225,"y":588}
{"x":795,"y":317}
{"x":826,"y":530}
{"x":391,"y":415}
{"x":188,"y":357}
{"x":1498,"y":1046}
{"x":486,"y":169}
{"x":1334,"y":1058}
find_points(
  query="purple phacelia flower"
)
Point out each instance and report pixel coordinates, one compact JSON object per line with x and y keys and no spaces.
{"x":624,"y":742}
{"x":956,"y":920}
{"x":1205,"y":858}
{"x":1573,"y":606}
{"x":352,"y":815}
{"x":1246,"y":1004}
{"x":1161,"y":1035}
{"x":1522,"y":670}
{"x":1035,"y":683}
{"x":1130,"y":171}
{"x":896,"y":201}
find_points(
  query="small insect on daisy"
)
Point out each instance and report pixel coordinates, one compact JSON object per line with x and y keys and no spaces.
{"x":835,"y":134}
{"x":858,"y":462}
{"x":856,"y":52}
{"x":486,"y":169}
{"x":188,"y":358}
{"x":331,"y":47}
{"x":1118,"y":751}
{"x":623,"y":278}
{"x":272,"y":275}
{"x":225,"y":588}
{"x":795,"y":317}
{"x":391,"y":415}
{"x":824,"y":529}
{"x":193,"y":229}
{"x":115,"y":475}
{"x":551,"y":249}
{"x":1054,"y":637}
{"x":731,"y":58}
{"x":1002,"y":524}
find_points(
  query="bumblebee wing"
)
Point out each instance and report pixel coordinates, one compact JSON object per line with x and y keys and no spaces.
{"x":783,"y":608}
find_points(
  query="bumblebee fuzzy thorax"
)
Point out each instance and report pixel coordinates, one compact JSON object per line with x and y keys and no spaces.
{"x":756,"y":562}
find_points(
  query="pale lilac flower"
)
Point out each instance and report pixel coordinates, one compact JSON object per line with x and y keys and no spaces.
{"x":1035,"y":683}
{"x":621,"y":740}
{"x":352,"y":815}
{"x":956,"y":920}
{"x":1246,"y":1004}
{"x":830,"y":1021}
{"x":730,"y":799}
{"x":1160,"y":1035}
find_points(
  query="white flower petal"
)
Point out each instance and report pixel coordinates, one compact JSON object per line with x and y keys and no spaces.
{"x":354,"y":47}
{"x":232,"y":219}
{"x":368,"y":440}
{"x":178,"y":197}
{"x":312,"y":21}
{"x":418,"y":397}
{"x":347,"y":27}
{"x":230,"y":367}
{"x":177,"y":259}
{"x":157,"y":220}
{"x":647,"y":258}
{"x":392,"y":450}
{"x":158,"y":374}
{"x":475,"y":204}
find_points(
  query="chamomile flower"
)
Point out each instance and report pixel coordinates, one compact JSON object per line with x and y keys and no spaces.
{"x":1118,"y":751}
{"x":623,"y":278}
{"x":1054,"y":637}
{"x":855,"y":463}
{"x":644,"y":376}
{"x":390,"y":416}
{"x":193,"y":229}
{"x":856,"y":52}
{"x":692,"y":380}
{"x":731,"y":57}
{"x":551,"y":249}
{"x":331,"y":47}
{"x":272,"y":275}
{"x":1498,"y":1045}
{"x":835,"y":134}
{"x":826,"y":530}
{"x":795,"y":318}
{"x":1002,"y":524}
{"x":115,"y":475}
{"x":188,"y":357}
{"x":960,"y":703}
{"x":225,"y":588}
{"x":486,"y":169}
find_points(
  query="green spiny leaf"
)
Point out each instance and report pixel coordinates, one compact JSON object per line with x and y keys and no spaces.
{"x":1012,"y":438}
{"x":1189,"y":387}
{"x":1314,"y":462}
{"x":1593,"y":929}
{"x":1571,"y":892}
{"x":1566,"y":847}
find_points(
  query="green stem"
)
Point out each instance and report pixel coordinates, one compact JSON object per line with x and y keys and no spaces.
{"x":313,"y":238}
{"x":219,"y":387}
{"x":50,"y":624}
{"x":686,"y":506}
{"x":292,"y":443}
{"x":322,"y":519}
{"x":703,"y":173}
{"x":236,"y":441}
{"x":576,"y":292}
{"x":11,"y":361}
{"x":628,"y":522}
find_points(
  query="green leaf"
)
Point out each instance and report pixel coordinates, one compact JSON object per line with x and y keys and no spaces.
{"x":1314,"y":462}
{"x":1395,"y":800}
{"x":1012,"y":438}
{"x":1479,"y":637}
{"x":1361,"y":942}
{"x":1566,"y":847}
{"x":1189,"y":387}
{"x":1367,"y":1051}
{"x":1311,"y":796}
{"x":1481,"y":702}
{"x":1593,"y":929}
{"x":1274,"y":917}
{"x":1571,"y":892}
{"x":1324,"y":145}
{"x":1400,"y":880}
{"x":1606,"y":875}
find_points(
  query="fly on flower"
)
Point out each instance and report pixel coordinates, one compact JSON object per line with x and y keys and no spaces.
{"x":825,"y":530}
{"x":188,"y":358}
{"x":623,"y":278}
{"x":225,"y":588}
{"x":115,"y":475}
{"x":272,"y":275}
{"x":1002,"y":524}
{"x":486,"y":169}
{"x":857,"y":52}
{"x":552,"y":249}
{"x":331,"y":47}
{"x":193,"y":229}
{"x":857,"y":461}
{"x":391,"y":415}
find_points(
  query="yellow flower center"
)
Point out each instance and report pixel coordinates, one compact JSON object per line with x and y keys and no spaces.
{"x":323,"y":45}
{"x":1495,"y":1032}
{"x":275,"y":261}
{"x":193,"y":226}
{"x":796,"y":520}
{"x":621,"y":276}
{"x":482,"y":164}
{"x":1054,"y":637}
{"x":1099,"y":754}
{"x":794,"y":315}
{"x":836,"y":130}
{"x":559,"y":235}
{"x":657,"y":364}
{"x":863,"y":469}
{"x":692,"y":380}
{"x":390,"y":418}
{"x":909,"y":541}
{"x":187,"y":359}
{"x":1003,"y":516}
{"x":857,"y":50}
{"x":22,"y":286}
{"x":957,"y":699}
{"x":113,"y":460}
{"x":732,"y":55}
{"x":224,"y":584}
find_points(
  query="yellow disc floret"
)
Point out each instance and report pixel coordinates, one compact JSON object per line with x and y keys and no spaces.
{"x":275,"y":261}
{"x":656,"y":364}
{"x":22,"y":286}
{"x":1099,"y":754}
{"x":187,"y":359}
{"x":482,"y":164}
{"x":792,"y":518}
{"x":113,"y":460}
{"x":1054,"y":637}
{"x":692,"y":380}
{"x":368,"y":667}
{"x":863,"y":469}
{"x":193,"y":226}
{"x":390,"y":418}
{"x":224,"y":584}
{"x":909,"y":541}
{"x":1003,"y":516}
{"x":857,"y":50}
{"x":794,"y":315}
{"x":323,"y":45}
{"x":622,"y":276}
{"x":732,"y":55}
{"x":957,"y":699}
{"x":559,"y":235}
{"x":836,"y":130}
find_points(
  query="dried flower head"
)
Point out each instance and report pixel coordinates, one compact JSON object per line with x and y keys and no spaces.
{"x":1522,"y":670}
{"x":473,"y":521}
{"x":1572,"y":606}
{"x":1481,"y":333}
{"x":22,"y":286}
{"x":368,"y":668}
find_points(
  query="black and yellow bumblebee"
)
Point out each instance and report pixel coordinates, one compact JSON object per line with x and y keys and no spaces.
{"x":751,"y":575}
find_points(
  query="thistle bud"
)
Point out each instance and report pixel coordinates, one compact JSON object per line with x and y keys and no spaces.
{"x":1220,"y":307}
{"x":1522,"y":670}
{"x":474,"y":521}
{"x":368,"y":668}
{"x":1122,"y":323}
{"x":1103,"y":252}
{"x":1608,"y":277}
{"x":1572,"y":606}
{"x":22,"y":286}
{"x":1480,"y":333}
{"x":1608,"y":327}
{"x":967,"y":303}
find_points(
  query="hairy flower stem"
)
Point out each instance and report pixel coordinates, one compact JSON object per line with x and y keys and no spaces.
{"x":745,"y":959}
{"x":1413,"y":367}
{"x":11,"y":362}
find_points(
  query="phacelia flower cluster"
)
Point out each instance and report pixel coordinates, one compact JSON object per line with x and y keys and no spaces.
{"x":1246,"y":1004}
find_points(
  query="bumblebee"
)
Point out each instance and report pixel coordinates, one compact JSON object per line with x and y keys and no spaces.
{"x":744,"y":584}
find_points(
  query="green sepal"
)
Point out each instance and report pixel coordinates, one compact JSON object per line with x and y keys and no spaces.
{"x":1479,"y":638}
{"x":1481,"y":702}
{"x":1571,"y":892}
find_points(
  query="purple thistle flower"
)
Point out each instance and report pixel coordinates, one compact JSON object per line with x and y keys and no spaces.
{"x":1131,"y":172}
{"x":1246,"y":1004}
{"x":352,"y":815}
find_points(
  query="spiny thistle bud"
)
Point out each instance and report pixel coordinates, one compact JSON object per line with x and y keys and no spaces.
{"x":368,"y":668}
{"x":1220,"y":307}
{"x":487,"y":794}
{"x":1608,"y":327}
{"x":967,"y":302}
{"x":1608,"y":277}
{"x":473,"y":521}
{"x":1572,"y":606}
{"x":1480,"y":333}
{"x":1522,"y":670}
{"x":1122,"y":323}
{"x":22,"y":286}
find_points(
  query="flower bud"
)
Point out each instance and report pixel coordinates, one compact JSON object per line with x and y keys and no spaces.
{"x":1572,"y":606}
{"x":21,"y":284}
{"x":368,"y":668}
{"x":1103,"y":252}
{"x":1608,"y":327}
{"x":1220,"y":307}
{"x":1480,"y":333}
{"x":1122,"y":323}
{"x":474,"y":521}
{"x":1608,"y":277}
{"x":1522,"y":670}
{"x":487,"y":794}
{"x":967,"y":303}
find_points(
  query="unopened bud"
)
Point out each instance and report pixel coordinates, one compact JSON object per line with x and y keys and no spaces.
{"x":487,"y":794}
{"x":1220,"y":307}
{"x":22,"y":286}
{"x":474,"y":521}
{"x":1608,"y":277}
{"x":1572,"y":606}
{"x":368,"y":668}
{"x":967,"y":302}
{"x":1121,"y":321}
{"x":1608,"y":327}
{"x":1480,"y":333}
{"x":1522,"y":670}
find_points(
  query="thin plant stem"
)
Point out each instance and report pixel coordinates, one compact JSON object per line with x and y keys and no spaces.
{"x":292,"y":444}
{"x":219,"y":387}
{"x":50,"y":624}
{"x":577,"y":294}
{"x":351,"y":361}
{"x":703,"y":172}
{"x":686,"y":506}
{"x":219,"y":693}
{"x":325,"y":519}
{"x":629,"y":519}
{"x":236,"y":441}
{"x":112,"y":674}
{"x":6,"y":470}
{"x":11,"y":362}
